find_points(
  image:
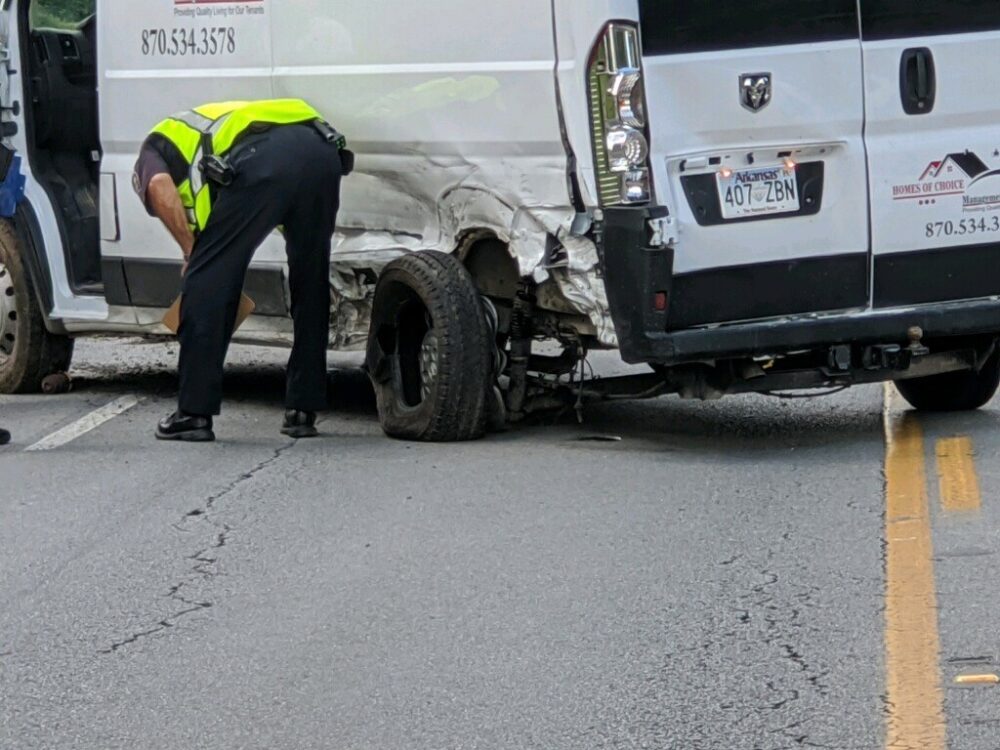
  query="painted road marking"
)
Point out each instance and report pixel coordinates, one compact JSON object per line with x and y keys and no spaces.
{"x":978,"y":679}
{"x":85,"y":424}
{"x":913,"y":645}
{"x":957,"y":476}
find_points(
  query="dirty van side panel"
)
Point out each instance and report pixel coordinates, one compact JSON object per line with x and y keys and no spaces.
{"x":451,"y":108}
{"x":158,"y":57}
{"x":804,"y":59}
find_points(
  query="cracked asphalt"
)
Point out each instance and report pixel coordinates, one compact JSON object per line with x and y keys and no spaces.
{"x":714,"y":579}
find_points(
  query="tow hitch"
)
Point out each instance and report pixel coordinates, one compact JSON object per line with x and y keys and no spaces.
{"x":886,"y":357}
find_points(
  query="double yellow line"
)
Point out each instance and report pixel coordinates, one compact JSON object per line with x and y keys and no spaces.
{"x":913,"y":666}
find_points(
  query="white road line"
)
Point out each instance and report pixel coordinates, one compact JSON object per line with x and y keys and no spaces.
{"x":85,"y":424}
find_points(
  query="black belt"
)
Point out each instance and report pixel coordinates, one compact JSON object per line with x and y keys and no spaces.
{"x":219,"y":171}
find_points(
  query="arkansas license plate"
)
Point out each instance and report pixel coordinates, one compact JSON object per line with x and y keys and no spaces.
{"x":760,"y":191}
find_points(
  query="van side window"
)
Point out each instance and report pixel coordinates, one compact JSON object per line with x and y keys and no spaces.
{"x":60,"y":14}
{"x":671,"y":27}
{"x":899,"y":19}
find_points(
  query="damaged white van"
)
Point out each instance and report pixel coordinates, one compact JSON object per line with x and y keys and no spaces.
{"x":746,"y":200}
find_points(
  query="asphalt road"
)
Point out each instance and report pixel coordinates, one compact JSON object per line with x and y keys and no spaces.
{"x":751,"y":573}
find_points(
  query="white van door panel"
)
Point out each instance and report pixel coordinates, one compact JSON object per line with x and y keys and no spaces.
{"x":167,"y":56}
{"x":441,"y":100}
{"x":935,"y":191}
{"x":806,"y":122}
{"x":65,"y":304}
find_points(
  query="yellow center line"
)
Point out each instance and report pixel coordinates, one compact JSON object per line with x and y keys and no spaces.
{"x":913,"y":672}
{"x":957,"y":476}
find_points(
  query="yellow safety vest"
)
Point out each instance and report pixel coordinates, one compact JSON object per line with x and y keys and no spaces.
{"x":217,"y":127}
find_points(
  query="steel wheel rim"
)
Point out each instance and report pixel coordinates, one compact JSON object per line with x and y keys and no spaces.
{"x":429,"y":363}
{"x":8,"y":314}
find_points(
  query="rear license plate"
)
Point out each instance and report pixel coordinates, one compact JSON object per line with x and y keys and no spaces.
{"x":760,"y":191}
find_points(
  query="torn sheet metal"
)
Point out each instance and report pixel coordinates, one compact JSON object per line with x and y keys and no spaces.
{"x":531,"y":236}
{"x":581,"y":285}
{"x":352,"y":287}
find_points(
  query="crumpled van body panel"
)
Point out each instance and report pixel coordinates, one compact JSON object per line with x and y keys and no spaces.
{"x":456,"y":126}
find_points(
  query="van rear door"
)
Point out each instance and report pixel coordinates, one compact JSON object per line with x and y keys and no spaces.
{"x":756,"y":120}
{"x":934,"y":148}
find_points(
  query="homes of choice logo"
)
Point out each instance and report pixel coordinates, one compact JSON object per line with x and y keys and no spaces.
{"x":962,"y":174}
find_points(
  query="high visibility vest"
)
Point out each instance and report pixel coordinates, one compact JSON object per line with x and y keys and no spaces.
{"x":213,"y":129}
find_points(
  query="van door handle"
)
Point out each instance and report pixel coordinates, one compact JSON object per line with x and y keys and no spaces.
{"x":917,"y":81}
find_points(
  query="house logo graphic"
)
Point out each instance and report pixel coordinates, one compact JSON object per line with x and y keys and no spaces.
{"x":955,"y":164}
{"x":959,"y":174}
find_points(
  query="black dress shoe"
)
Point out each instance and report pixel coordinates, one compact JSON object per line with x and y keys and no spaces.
{"x":300,"y":424}
{"x":186,"y":427}
{"x":4,"y":437}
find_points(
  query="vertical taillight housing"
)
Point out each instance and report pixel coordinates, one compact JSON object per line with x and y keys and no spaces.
{"x":618,"y":118}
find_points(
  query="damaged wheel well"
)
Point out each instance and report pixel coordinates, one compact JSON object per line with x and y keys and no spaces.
{"x":490,"y":264}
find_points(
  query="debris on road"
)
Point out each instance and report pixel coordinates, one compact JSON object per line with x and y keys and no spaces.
{"x":56,"y":383}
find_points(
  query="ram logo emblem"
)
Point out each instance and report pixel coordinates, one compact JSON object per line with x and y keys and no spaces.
{"x":755,"y":91}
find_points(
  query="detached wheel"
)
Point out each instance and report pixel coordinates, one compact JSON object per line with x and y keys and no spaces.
{"x":430,"y":350}
{"x":28,"y":352}
{"x":953,"y":391}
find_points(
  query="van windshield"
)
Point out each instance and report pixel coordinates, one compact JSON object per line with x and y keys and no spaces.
{"x":60,"y":14}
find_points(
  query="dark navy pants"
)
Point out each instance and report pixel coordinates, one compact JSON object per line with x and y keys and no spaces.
{"x":288,"y":176}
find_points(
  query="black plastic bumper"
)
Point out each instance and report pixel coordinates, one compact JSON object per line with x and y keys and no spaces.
{"x":634,"y":273}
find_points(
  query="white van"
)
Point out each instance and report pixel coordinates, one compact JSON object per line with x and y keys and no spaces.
{"x":746,"y":196}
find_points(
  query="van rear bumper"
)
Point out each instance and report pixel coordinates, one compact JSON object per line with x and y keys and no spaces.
{"x":634,"y":273}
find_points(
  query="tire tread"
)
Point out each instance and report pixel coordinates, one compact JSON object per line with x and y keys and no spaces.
{"x":38,"y":353}
{"x":458,"y":411}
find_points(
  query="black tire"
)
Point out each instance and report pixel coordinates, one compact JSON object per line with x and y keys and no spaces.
{"x":953,"y":391}
{"x":429,"y":350}
{"x":28,"y":352}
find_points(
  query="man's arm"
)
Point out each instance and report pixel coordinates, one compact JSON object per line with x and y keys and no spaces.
{"x":164,"y":202}
{"x":159,"y":169}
